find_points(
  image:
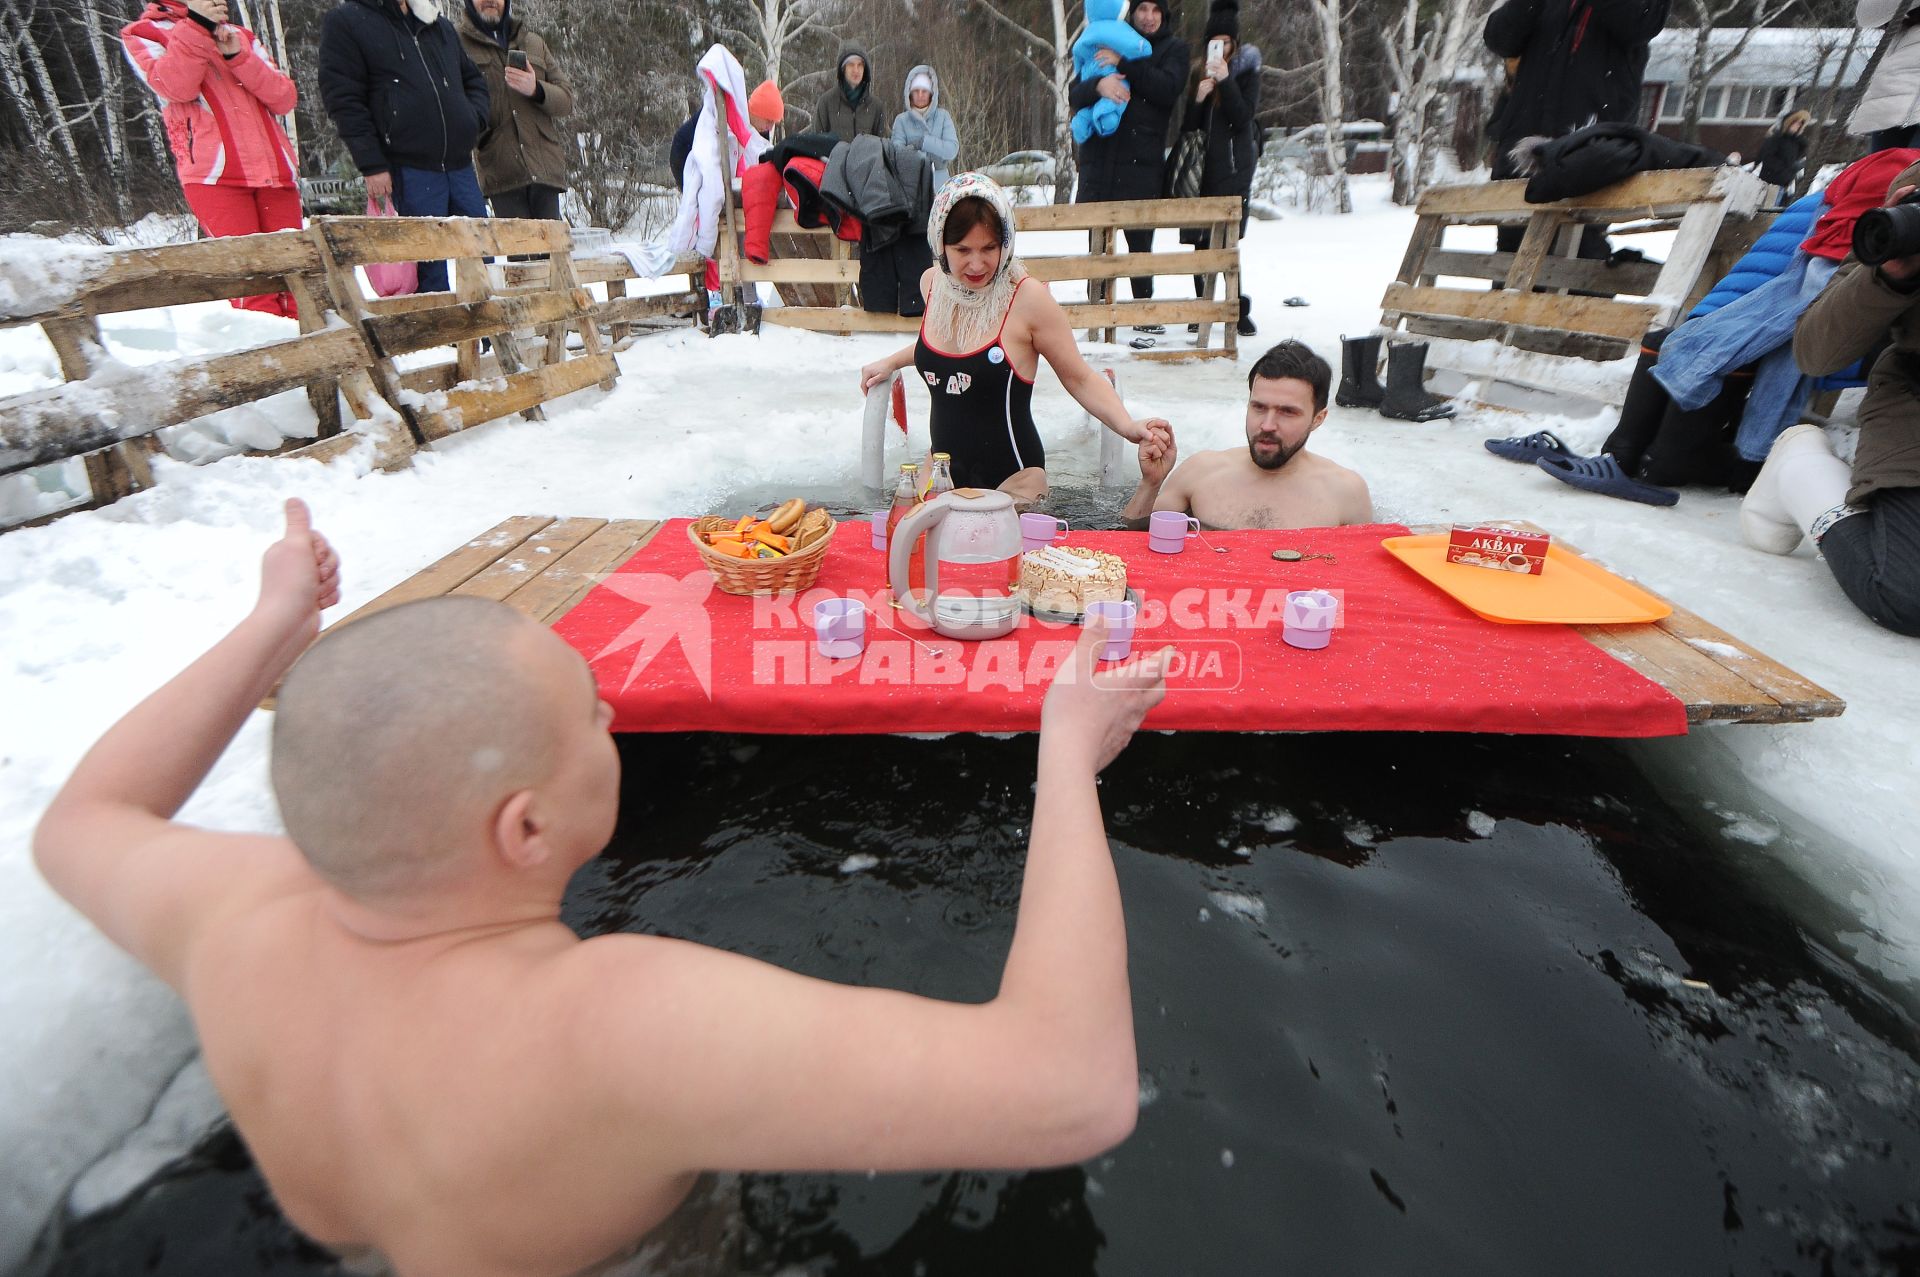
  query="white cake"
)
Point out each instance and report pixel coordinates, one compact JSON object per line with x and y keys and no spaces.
{"x":1064,"y":579}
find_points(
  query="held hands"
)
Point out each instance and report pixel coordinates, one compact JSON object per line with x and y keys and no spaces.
{"x":227,"y":40}
{"x":874,"y":374}
{"x":1106,"y":58}
{"x":1203,"y":88}
{"x":1094,"y":715}
{"x":1216,"y":69}
{"x":1114,"y":89}
{"x":299,"y":576}
{"x":1157,"y":453}
{"x":379,"y":186}
{"x":521,"y":82}
{"x":214,"y":11}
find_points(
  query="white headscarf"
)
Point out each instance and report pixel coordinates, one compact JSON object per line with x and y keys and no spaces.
{"x":962,"y":318}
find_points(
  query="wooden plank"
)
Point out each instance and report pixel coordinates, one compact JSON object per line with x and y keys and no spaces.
{"x":1634,"y":279}
{"x":452,"y":569}
{"x":628,"y":310}
{"x":1601,"y":316}
{"x":468,"y":408}
{"x":1535,"y":244}
{"x":528,"y":559}
{"x":406,"y":303}
{"x":80,"y":417}
{"x":444,"y":325}
{"x":430,"y":378}
{"x":1091,"y":266}
{"x":1180,"y":355}
{"x":1692,"y":245}
{"x":346,"y":298}
{"x":551,"y":594}
{"x":363,"y":241}
{"x":838,"y":319}
{"x":1801,"y":697}
{"x":1203,"y":211}
{"x":801,"y":271}
{"x":1708,"y":689}
{"x":1643,"y":194}
{"x":590,"y":339}
{"x":174,"y":274}
{"x":1129,"y":313}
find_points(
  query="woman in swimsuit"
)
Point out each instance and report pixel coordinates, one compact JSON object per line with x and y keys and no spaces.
{"x":981,"y":344}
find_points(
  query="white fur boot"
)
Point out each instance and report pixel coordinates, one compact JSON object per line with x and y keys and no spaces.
{"x":1800,"y":481}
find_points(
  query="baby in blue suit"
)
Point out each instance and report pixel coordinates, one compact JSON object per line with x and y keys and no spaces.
{"x":1105,"y":30}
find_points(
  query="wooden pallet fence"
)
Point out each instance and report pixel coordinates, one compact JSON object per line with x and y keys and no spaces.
{"x":623,"y":318}
{"x":1534,"y":332}
{"x":1102,"y":313}
{"x":347,"y":342}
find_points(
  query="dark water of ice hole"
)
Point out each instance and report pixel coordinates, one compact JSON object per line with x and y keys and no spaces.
{"x":1372,"y":1041}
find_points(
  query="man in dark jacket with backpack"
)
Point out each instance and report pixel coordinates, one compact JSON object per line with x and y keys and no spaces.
{"x":410,"y":105}
{"x":1132,"y":163}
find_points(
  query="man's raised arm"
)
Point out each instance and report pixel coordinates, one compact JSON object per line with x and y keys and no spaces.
{"x":107,"y":843}
{"x":726,"y":1063}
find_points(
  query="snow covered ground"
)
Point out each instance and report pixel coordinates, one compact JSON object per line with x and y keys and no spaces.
{"x":101,"y":607}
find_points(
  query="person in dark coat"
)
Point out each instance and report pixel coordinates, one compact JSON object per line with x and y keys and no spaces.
{"x":1784,"y":150}
{"x":1578,"y":64}
{"x":850,"y":107}
{"x":410,"y":106}
{"x":1132,"y":163}
{"x":1226,"y":93}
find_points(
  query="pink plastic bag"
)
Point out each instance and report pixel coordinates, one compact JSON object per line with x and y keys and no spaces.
{"x":391,"y":279}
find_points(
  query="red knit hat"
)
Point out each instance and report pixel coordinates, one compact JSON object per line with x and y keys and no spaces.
{"x":765,"y":102}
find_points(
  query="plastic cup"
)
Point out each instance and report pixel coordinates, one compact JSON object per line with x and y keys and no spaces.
{"x":1168,"y":531}
{"x":880,"y":518}
{"x":1119,"y":615}
{"x":840,"y":627}
{"x":1309,"y":619}
{"x":1038,"y":530}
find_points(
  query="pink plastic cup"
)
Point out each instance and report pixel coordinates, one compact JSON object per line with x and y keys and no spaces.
{"x":1168,"y":531}
{"x":880,"y":518}
{"x":1119,"y":615}
{"x":840,"y":627}
{"x":1037,"y":530}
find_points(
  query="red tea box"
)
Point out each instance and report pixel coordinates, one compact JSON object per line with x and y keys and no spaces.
{"x":1502,"y":549}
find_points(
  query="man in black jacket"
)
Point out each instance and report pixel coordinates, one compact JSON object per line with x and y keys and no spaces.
{"x":409,"y":104}
{"x":1579,"y":65}
{"x":1132,"y":163}
{"x":1226,"y":96}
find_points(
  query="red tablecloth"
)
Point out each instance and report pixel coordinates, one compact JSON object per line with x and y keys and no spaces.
{"x":672,"y":653}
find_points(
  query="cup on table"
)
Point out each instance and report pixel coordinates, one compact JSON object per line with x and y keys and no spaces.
{"x":880,"y":518}
{"x":1037,"y":530}
{"x":840,"y":626}
{"x":1119,"y":615}
{"x":1310,"y":618}
{"x":1168,"y":530}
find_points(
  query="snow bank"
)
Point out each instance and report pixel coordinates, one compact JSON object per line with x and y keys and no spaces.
{"x":101,"y":607}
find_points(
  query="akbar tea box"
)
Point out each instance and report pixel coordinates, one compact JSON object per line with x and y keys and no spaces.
{"x":1500,"y":548}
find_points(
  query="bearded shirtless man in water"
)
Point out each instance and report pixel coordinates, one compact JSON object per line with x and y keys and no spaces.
{"x":426,"y":1064}
{"x":1275,"y":482}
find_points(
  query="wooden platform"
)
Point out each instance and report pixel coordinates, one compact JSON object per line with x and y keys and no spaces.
{"x":544,"y":566}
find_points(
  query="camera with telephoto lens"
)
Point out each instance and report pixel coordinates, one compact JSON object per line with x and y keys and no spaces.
{"x":1882,"y":234}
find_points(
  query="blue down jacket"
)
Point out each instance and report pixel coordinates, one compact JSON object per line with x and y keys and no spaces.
{"x":1768,"y":256}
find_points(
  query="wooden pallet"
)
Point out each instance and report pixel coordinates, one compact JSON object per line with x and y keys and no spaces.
{"x":544,"y":566}
{"x":1533,"y":333}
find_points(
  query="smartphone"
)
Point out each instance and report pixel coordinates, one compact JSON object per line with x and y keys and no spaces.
{"x":1216,"y":49}
{"x":517,"y":59}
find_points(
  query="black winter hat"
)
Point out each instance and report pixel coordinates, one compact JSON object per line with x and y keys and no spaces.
{"x":1224,"y":19}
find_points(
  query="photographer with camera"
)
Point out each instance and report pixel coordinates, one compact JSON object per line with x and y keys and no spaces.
{"x":521,"y":158}
{"x":1864,"y":519}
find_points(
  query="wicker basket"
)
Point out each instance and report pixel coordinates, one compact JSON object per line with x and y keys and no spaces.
{"x":795,"y":571}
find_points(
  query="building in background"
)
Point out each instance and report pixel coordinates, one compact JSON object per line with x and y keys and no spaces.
{"x":1781,"y":69}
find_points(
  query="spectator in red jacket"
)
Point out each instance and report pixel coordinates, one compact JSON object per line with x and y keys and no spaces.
{"x":219,"y":97}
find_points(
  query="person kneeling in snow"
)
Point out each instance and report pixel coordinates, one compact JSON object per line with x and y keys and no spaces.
{"x":1864,"y":519}
{"x":430,"y":1068}
{"x":1276,"y":482}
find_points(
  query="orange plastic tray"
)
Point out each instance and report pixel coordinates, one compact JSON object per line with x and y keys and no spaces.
{"x":1569,"y":590}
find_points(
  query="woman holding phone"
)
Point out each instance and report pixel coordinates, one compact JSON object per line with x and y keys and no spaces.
{"x":219,"y":98}
{"x":521,"y":159}
{"x":1226,"y":93}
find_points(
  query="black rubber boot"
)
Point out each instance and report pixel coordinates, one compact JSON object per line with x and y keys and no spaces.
{"x":1642,"y":408}
{"x":1407,"y":398}
{"x":1360,"y":373}
{"x":1246,"y":328}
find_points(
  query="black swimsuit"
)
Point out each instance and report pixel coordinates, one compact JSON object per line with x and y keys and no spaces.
{"x":982,"y":410}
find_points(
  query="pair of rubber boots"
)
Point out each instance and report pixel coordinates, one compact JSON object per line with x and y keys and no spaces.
{"x":1404,"y":397}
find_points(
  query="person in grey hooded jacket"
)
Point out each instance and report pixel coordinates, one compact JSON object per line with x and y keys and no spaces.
{"x":925,"y":126}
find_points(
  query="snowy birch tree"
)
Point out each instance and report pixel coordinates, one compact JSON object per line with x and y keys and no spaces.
{"x":1056,"y":57}
{"x":1702,"y":67}
{"x":1331,"y":17}
{"x":1423,"y":57}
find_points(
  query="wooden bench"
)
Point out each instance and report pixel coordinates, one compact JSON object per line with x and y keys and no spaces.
{"x":544,"y":566}
{"x":1533,"y":333}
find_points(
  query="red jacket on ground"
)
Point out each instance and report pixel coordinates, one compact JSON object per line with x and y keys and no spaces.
{"x":219,"y":111}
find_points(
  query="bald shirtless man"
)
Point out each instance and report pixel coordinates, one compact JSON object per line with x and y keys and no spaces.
{"x":1276,"y":482}
{"x":427,"y":1065}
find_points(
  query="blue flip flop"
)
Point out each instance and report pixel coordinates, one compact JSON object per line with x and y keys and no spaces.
{"x":1541,"y":443}
{"x":1602,"y":474}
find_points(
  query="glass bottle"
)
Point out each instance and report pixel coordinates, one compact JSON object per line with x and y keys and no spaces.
{"x":942,"y":480}
{"x":906,"y":495}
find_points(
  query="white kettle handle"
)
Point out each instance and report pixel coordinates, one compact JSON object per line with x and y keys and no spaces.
{"x":899,"y":555}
